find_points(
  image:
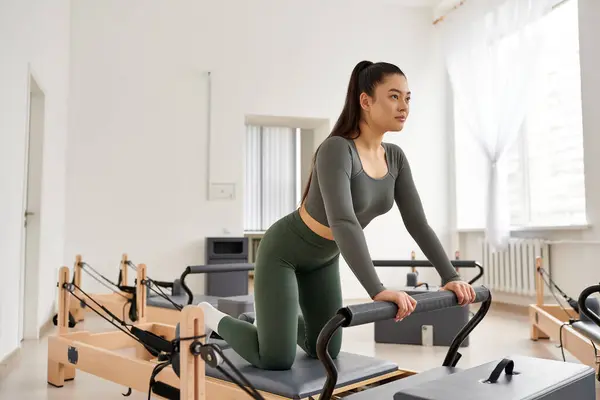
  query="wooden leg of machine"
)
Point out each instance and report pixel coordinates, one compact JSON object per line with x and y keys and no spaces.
{"x":535,"y":332}
{"x":57,"y":372}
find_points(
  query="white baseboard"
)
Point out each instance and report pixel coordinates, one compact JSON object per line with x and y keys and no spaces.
{"x":518,"y":300}
{"x":46,"y":327}
{"x":10,"y":362}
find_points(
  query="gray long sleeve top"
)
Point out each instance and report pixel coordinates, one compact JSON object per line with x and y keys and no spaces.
{"x":343,"y":197}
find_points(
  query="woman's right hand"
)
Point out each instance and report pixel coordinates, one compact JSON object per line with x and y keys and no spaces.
{"x":406,"y":304}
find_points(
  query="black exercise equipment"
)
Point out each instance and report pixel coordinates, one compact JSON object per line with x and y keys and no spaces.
{"x":523,"y":378}
{"x":210,"y":269}
{"x":437,"y":328}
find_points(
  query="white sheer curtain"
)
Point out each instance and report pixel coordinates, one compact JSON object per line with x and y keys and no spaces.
{"x":270,"y":187}
{"x":491,"y":55}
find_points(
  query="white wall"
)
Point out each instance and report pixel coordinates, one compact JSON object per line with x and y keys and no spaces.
{"x":575,"y":265}
{"x":32,"y":33}
{"x":137,"y":172}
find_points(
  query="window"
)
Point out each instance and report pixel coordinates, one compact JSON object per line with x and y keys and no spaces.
{"x":547,"y":183}
{"x":272,"y":184}
{"x":546,"y":172}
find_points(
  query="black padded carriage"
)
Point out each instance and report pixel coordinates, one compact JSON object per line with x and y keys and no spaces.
{"x":307,"y":376}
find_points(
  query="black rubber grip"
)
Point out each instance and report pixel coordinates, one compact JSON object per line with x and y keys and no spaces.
{"x":422,"y":263}
{"x":583,"y":306}
{"x":367,"y":313}
{"x":210,"y":268}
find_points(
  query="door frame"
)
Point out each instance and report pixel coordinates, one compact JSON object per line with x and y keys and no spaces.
{"x":28,"y":321}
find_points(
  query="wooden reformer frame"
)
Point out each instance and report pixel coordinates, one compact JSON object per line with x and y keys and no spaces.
{"x":114,"y":302}
{"x":96,"y":353}
{"x":101,"y":354}
{"x":549,"y":321}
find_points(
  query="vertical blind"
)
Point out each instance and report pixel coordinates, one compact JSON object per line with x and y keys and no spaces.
{"x":271,"y":175}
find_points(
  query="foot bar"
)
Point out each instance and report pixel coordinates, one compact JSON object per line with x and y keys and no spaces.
{"x":377,"y":311}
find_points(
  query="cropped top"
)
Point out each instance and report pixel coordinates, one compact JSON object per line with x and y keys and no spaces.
{"x":345,"y":198}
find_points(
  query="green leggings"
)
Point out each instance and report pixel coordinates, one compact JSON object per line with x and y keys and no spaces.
{"x":294,"y":267}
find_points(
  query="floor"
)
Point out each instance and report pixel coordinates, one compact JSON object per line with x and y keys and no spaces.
{"x":501,"y":333}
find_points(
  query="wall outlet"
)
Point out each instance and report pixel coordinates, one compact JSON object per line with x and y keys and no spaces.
{"x":221,"y":191}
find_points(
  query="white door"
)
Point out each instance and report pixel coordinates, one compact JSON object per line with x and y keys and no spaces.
{"x":29,"y":283}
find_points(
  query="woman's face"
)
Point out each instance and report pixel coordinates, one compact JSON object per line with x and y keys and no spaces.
{"x":388,"y":109}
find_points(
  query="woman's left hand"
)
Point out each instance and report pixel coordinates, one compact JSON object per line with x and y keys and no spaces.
{"x":464,"y":292}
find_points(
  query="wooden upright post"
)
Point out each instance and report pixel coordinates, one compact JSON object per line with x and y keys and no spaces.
{"x":539,"y":282}
{"x":77,"y":270}
{"x":58,"y":373}
{"x":193,"y":382}
{"x":124,"y":268}
{"x":535,"y":332}
{"x":76,"y":309}
{"x":141,"y":292}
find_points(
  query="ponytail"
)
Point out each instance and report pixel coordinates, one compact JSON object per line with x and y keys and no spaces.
{"x":365,"y":76}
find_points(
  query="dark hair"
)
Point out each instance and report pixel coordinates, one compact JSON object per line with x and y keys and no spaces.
{"x":365,"y":76}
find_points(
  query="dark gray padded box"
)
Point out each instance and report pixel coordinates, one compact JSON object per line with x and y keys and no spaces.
{"x":537,"y":378}
{"x":236,"y":305}
{"x":445,"y":324}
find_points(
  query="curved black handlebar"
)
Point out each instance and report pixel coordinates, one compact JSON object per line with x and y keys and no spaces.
{"x":584,"y":308}
{"x":428,"y":264}
{"x":210,"y":268}
{"x":377,"y":311}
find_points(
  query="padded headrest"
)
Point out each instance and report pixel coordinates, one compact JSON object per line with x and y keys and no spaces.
{"x":177,"y":288}
{"x":412,"y":279}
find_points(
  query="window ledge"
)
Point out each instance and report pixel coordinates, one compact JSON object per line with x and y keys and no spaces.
{"x":254,"y":233}
{"x":577,"y":227}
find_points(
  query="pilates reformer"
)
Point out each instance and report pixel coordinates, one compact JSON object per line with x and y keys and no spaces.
{"x":165,"y":309}
{"x":120,"y":300}
{"x":437,"y":328}
{"x":575,"y":326}
{"x":162,"y":360}
{"x":513,"y":377}
{"x":96,"y":353}
{"x":162,"y":307}
{"x":411,"y":277}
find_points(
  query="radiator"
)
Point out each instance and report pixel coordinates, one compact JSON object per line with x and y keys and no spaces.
{"x":513,"y":270}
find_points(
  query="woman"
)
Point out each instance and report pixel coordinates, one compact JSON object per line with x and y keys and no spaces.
{"x":355,"y":177}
